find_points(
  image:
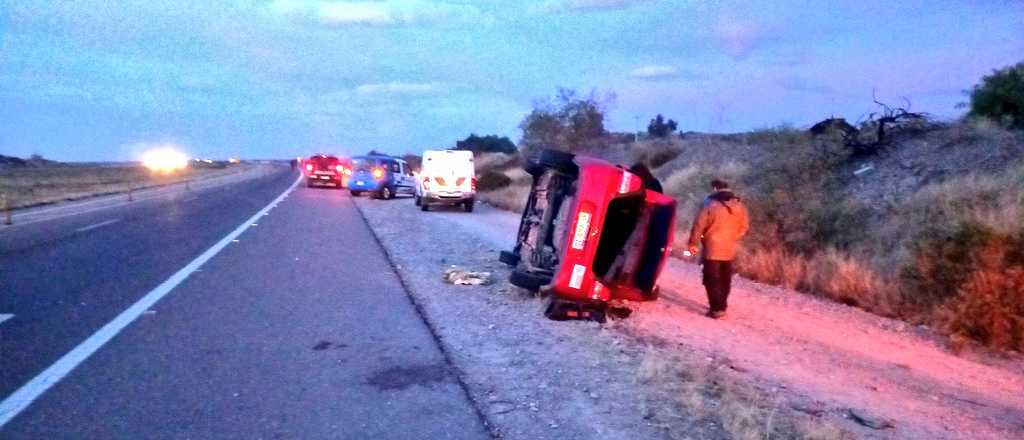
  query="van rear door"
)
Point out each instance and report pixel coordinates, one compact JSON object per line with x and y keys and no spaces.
{"x":450,"y":170}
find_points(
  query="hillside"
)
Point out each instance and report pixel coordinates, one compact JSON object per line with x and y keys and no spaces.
{"x":930,"y":229}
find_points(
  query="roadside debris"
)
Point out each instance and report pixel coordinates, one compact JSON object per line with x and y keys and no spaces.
{"x":458,"y":276}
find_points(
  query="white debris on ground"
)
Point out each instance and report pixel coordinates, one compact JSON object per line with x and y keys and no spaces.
{"x":461,"y":277}
{"x":811,"y":356}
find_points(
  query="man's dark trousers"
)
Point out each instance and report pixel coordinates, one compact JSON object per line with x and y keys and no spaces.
{"x":718,"y":281}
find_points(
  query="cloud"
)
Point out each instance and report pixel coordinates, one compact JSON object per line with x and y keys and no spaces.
{"x":740,"y":37}
{"x":654,"y":72}
{"x":589,"y":5}
{"x":396,"y":88}
{"x":380,"y":13}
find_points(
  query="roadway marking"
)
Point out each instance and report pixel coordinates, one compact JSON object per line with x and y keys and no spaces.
{"x":28,"y":393}
{"x":98,"y":225}
{"x":5,"y":316}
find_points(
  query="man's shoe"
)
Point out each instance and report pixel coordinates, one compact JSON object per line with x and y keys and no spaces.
{"x":717,"y":314}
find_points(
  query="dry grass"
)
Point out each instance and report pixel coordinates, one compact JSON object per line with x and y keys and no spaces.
{"x":656,"y":153}
{"x":707,"y":397}
{"x":25,"y":187}
{"x":511,"y":198}
{"x":496,"y":161}
{"x":900,"y":241}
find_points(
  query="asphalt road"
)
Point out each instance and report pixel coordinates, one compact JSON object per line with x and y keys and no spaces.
{"x":299,"y":329}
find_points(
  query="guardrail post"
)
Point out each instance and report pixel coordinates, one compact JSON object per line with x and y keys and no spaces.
{"x":130,"y":190}
{"x":6,"y":207}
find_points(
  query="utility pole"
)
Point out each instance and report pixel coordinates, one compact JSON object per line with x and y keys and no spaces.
{"x":636,"y":127}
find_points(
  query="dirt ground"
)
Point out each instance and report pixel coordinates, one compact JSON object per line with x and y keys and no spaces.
{"x":782,"y":365}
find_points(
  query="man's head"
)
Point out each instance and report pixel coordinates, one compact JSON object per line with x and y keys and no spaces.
{"x":719,"y":185}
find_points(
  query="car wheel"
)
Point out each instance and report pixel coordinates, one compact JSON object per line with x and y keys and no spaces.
{"x":527,"y":280}
{"x":509,"y":258}
{"x":424,"y":206}
{"x":468,"y":206}
{"x":417,"y":200}
{"x":386,"y":194}
{"x":309,"y":184}
{"x":553,"y":159}
{"x":355,"y":193}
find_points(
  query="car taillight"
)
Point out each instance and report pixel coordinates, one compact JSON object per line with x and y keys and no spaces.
{"x":426,"y":183}
{"x":440,"y":181}
{"x":472,"y":184}
{"x":459,"y":181}
{"x":378,"y":173}
{"x":309,"y":167}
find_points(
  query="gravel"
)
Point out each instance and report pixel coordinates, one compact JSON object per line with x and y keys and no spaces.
{"x":535,"y":378}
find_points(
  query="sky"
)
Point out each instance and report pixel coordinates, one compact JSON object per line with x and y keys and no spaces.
{"x":92,"y":80}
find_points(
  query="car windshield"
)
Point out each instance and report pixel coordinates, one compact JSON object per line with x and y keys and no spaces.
{"x":364,"y":163}
{"x":323,"y":161}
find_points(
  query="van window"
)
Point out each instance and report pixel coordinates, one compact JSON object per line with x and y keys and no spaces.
{"x":395,"y":168}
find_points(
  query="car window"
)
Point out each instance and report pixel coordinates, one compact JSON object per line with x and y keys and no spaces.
{"x":323,"y":161}
{"x":364,"y":163}
{"x":395,"y":168}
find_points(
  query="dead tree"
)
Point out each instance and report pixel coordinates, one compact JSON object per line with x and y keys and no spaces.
{"x":884,"y":123}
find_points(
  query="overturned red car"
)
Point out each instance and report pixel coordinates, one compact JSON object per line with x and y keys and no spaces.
{"x":590,"y":233}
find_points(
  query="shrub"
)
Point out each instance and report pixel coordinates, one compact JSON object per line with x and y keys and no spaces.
{"x":974,"y":275}
{"x":492,"y":180}
{"x":569,"y":122}
{"x":659,"y":128}
{"x":1000,"y":96}
{"x":840,"y":223}
{"x":773,"y":265}
{"x":845,"y":279}
{"x":990,"y":308}
{"x":486,"y":144}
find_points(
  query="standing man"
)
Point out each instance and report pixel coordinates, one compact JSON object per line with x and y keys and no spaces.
{"x":719,"y":226}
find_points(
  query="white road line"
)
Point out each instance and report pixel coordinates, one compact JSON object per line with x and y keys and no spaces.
{"x":5,"y":316}
{"x":98,"y":225}
{"x":24,"y":396}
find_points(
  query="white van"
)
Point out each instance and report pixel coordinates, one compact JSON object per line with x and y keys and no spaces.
{"x":446,"y":178}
